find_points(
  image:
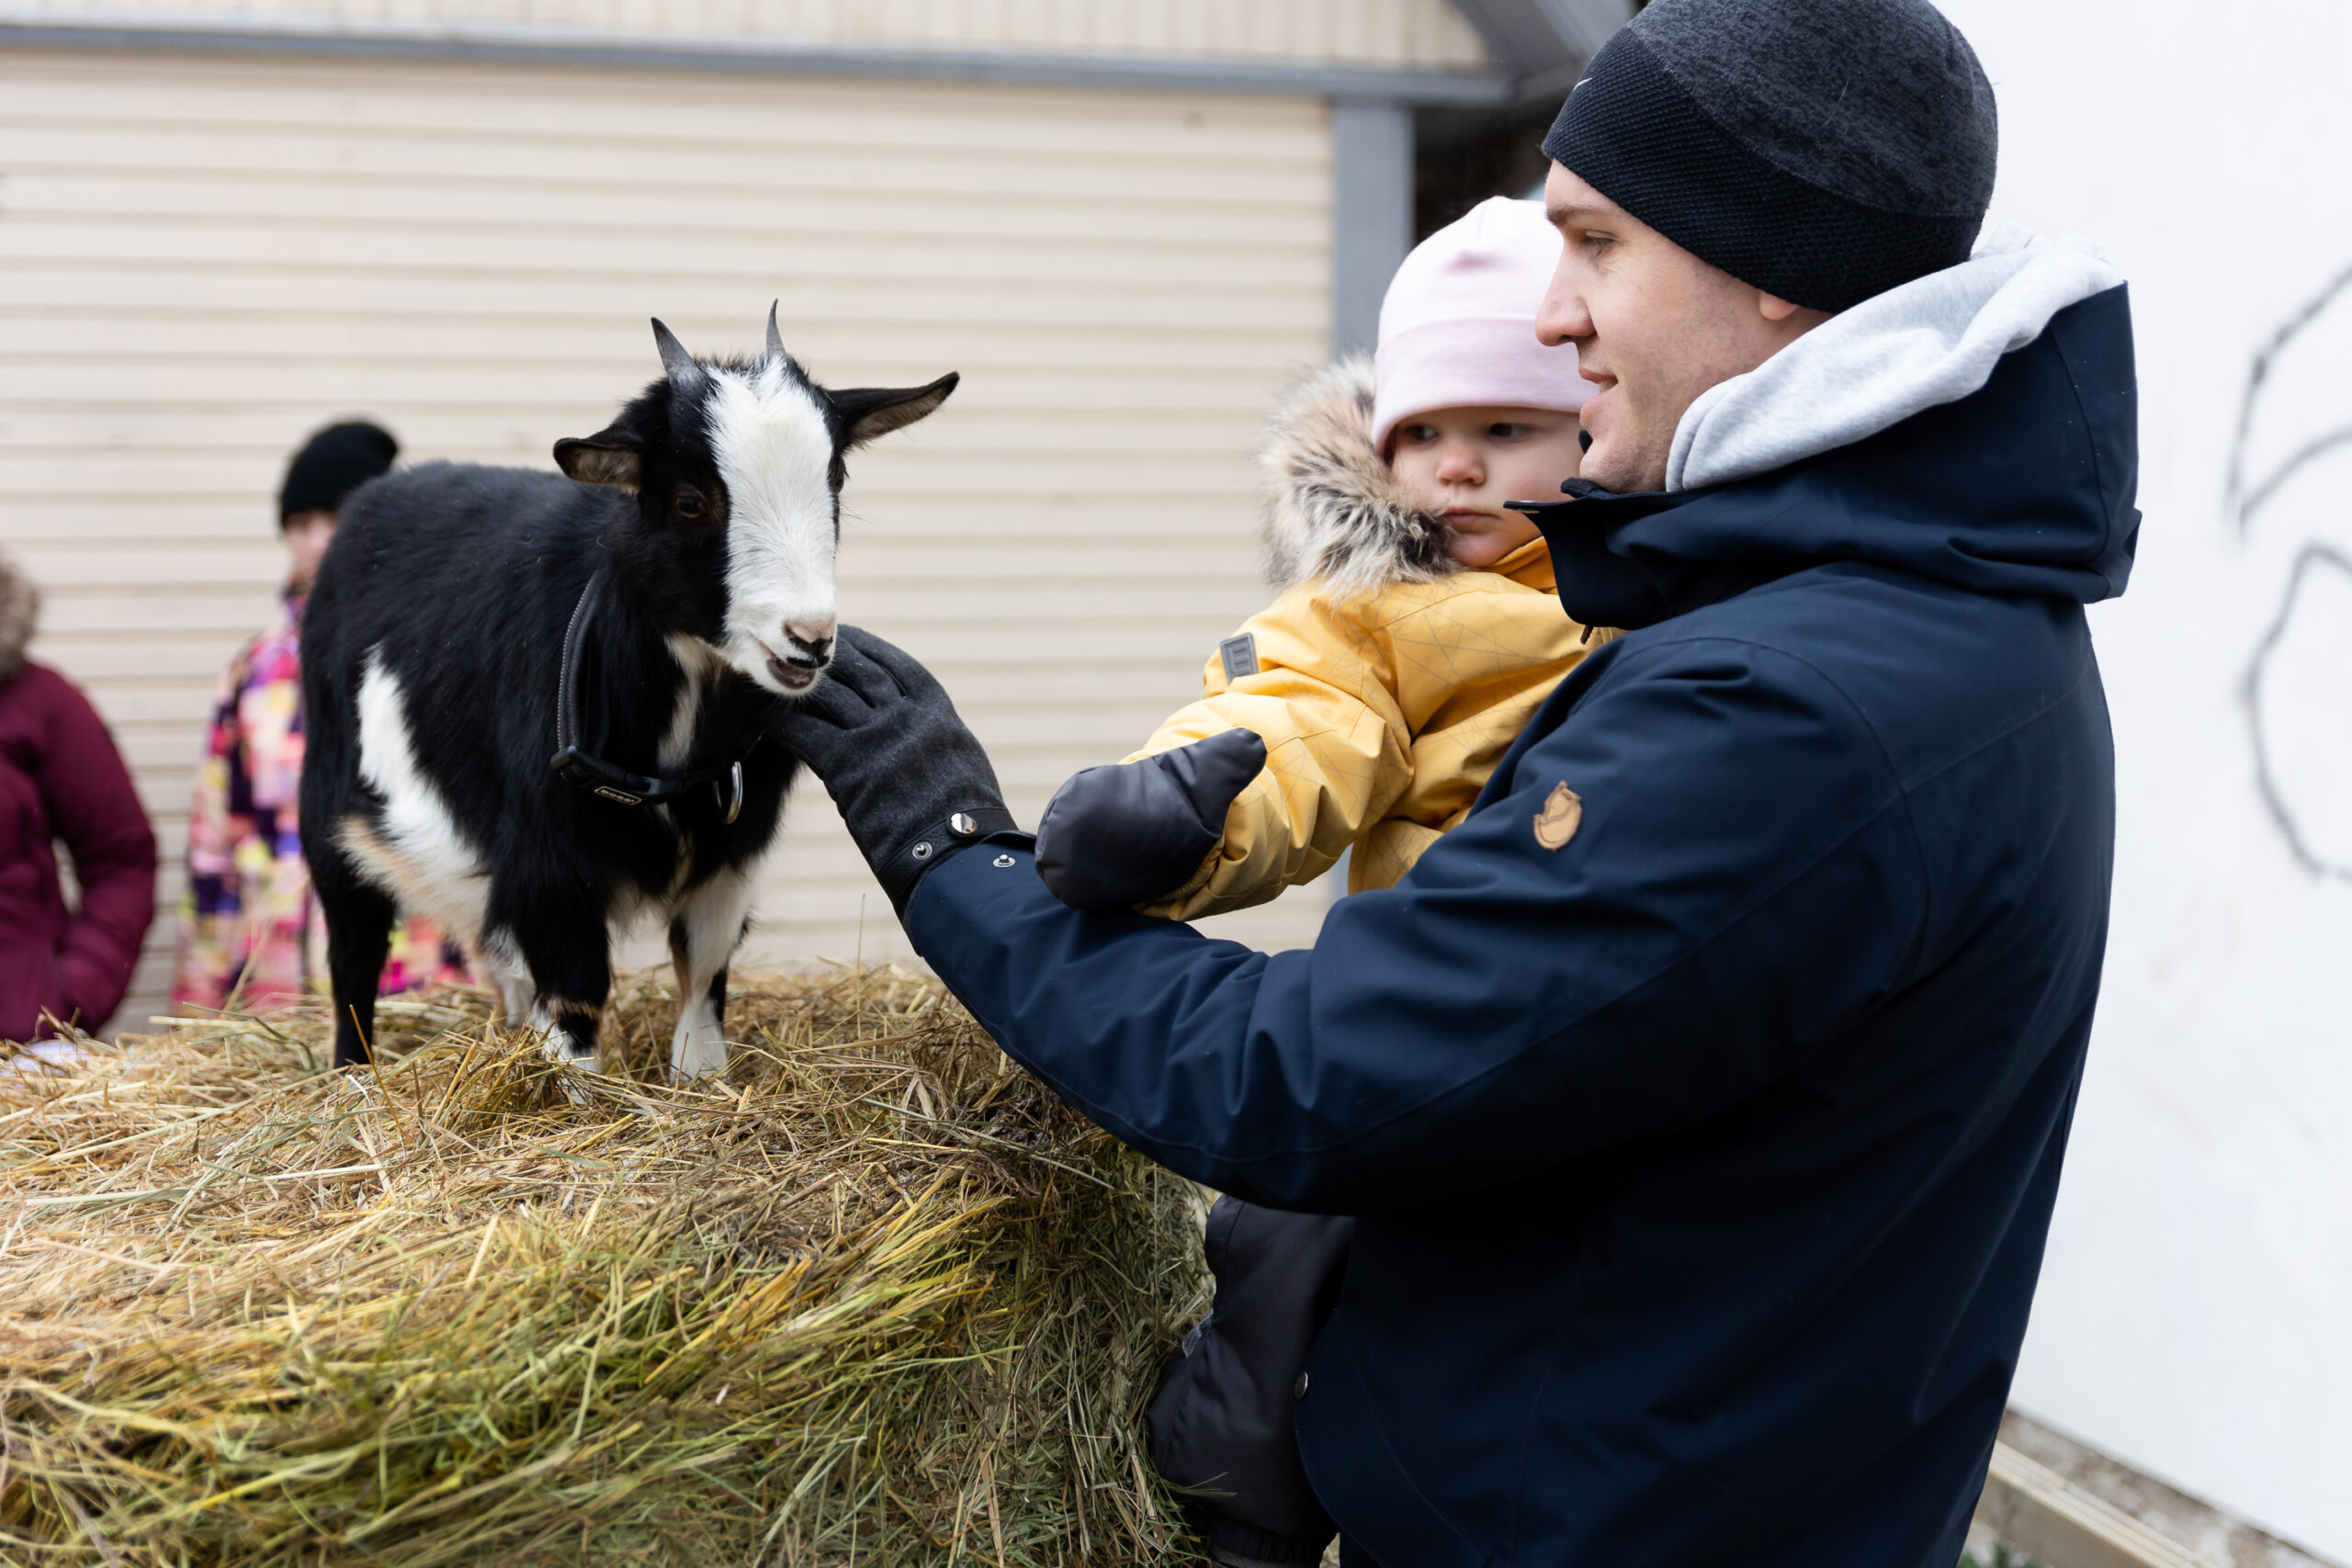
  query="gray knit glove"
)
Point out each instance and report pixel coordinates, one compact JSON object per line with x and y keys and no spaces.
{"x":910,"y":779}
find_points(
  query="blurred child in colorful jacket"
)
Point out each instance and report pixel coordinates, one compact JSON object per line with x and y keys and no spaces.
{"x":250,"y":931}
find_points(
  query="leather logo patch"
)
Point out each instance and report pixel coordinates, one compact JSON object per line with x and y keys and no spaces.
{"x":1562,"y":815}
{"x":1240,"y":656}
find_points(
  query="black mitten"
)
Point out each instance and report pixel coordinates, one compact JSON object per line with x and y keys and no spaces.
{"x":1135,"y":832}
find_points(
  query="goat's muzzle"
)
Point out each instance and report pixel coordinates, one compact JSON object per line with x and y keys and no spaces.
{"x":793,"y":675}
{"x":811,"y":645}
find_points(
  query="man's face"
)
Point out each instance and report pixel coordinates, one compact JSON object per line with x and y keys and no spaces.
{"x":1653,"y":327}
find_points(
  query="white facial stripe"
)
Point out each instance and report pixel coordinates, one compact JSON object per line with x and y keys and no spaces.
{"x":437,"y":866}
{"x":773,"y":451}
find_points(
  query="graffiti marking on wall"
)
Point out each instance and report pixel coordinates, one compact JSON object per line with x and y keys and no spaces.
{"x":2290,"y":470}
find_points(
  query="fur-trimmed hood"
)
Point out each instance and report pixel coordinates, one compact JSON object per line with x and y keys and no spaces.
{"x":1333,"y":510}
{"x":19,"y":618}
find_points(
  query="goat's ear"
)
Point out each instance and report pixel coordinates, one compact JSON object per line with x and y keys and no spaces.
{"x":869,"y":412}
{"x":612,"y":456}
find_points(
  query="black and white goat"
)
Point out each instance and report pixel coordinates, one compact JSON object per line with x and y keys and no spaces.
{"x":633,"y":621}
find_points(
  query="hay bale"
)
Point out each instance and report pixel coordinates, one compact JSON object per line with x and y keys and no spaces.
{"x":879,"y":1298}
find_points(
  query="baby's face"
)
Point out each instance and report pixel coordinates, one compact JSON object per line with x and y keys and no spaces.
{"x":1463,"y":463}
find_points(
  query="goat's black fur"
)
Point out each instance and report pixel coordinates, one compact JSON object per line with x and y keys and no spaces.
{"x":458,"y":581}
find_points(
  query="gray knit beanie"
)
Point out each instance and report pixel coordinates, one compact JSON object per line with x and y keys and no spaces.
{"x":1824,"y":151}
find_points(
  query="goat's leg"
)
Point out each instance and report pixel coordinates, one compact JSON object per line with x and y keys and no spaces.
{"x":503,"y":962}
{"x":562,"y":942}
{"x":359,"y":938}
{"x":704,"y":934}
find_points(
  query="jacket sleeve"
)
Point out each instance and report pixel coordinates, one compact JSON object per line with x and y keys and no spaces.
{"x":1339,"y":751}
{"x":94,"y":809}
{"x":1743,"y":886}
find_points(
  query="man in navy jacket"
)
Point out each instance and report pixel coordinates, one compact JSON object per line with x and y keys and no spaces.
{"x":1702,"y":1098}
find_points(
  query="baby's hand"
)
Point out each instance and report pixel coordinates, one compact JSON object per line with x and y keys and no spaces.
{"x":1137,"y":832}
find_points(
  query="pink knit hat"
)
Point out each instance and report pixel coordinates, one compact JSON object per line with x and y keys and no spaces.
{"x":1457,"y":329}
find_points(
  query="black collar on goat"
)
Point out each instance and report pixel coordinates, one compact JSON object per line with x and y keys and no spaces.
{"x":690,"y":550}
{"x":583,"y":769}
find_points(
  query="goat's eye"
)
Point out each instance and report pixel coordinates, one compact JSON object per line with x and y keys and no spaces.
{"x":688,"y":503}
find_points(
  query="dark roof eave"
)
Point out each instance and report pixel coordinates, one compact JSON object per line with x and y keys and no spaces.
{"x":384,"y":38}
{"x":1543,"y":46}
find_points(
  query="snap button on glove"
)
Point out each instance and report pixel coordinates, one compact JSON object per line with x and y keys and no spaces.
{"x":911,"y":780}
{"x":1137,"y":832}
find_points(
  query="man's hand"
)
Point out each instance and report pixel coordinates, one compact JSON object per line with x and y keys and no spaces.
{"x":1137,"y":833}
{"x":910,"y":779}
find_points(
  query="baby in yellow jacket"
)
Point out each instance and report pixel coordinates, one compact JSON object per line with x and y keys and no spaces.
{"x":1418,"y":628}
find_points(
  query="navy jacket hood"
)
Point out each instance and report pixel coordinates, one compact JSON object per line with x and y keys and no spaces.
{"x":2025,"y":486}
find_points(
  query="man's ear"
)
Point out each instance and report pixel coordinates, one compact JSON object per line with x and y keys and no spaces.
{"x":869,"y":412}
{"x":612,"y":456}
{"x":1777,"y":310}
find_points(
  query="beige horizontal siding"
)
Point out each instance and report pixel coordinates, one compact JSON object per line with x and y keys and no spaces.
{"x":1351,"y":32}
{"x":202,"y":260}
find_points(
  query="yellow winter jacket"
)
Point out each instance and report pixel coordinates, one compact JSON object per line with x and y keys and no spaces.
{"x":1385,"y":683}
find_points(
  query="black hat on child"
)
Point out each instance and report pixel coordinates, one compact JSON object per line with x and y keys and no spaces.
{"x":1824,"y":151}
{"x":332,"y":464}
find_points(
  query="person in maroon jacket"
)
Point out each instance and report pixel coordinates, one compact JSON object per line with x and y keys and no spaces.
{"x":63,"y":781}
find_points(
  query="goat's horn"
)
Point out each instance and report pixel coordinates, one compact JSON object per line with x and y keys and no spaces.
{"x":775,"y":338}
{"x":675,"y":360}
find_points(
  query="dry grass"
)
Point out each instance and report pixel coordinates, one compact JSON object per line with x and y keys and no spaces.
{"x":877,"y":1299}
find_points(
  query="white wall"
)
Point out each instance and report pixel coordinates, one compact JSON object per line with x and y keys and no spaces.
{"x":2196,"y":1311}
